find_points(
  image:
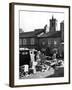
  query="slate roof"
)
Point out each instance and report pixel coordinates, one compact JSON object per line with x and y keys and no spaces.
{"x":52,"y":34}
{"x":27,"y":34}
{"x":32,"y":33}
{"x":38,"y":31}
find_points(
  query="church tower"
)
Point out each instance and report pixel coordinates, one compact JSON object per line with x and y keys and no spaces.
{"x":52,"y":25}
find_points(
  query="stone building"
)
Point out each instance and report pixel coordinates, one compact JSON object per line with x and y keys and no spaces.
{"x":30,"y":39}
{"x":62,"y":30}
{"x":40,"y":39}
{"x":53,"y":38}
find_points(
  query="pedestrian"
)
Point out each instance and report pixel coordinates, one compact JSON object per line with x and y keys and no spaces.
{"x":33,"y":63}
{"x":26,"y":68}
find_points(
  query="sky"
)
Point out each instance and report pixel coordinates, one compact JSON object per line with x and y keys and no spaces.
{"x":31,"y":20}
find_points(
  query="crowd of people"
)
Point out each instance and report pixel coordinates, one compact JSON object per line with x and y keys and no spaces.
{"x":41,"y":61}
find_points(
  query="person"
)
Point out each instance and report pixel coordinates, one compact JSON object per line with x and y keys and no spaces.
{"x":48,"y":52}
{"x":26,"y":70}
{"x":32,"y":55}
{"x":38,"y":56}
{"x":54,"y":61}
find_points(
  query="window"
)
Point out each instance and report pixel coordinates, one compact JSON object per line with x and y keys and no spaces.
{"x":20,"y":41}
{"x":24,"y":42}
{"x":49,"y":42}
{"x":55,"y":42}
{"x":43,"y":43}
{"x":32,"y":41}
